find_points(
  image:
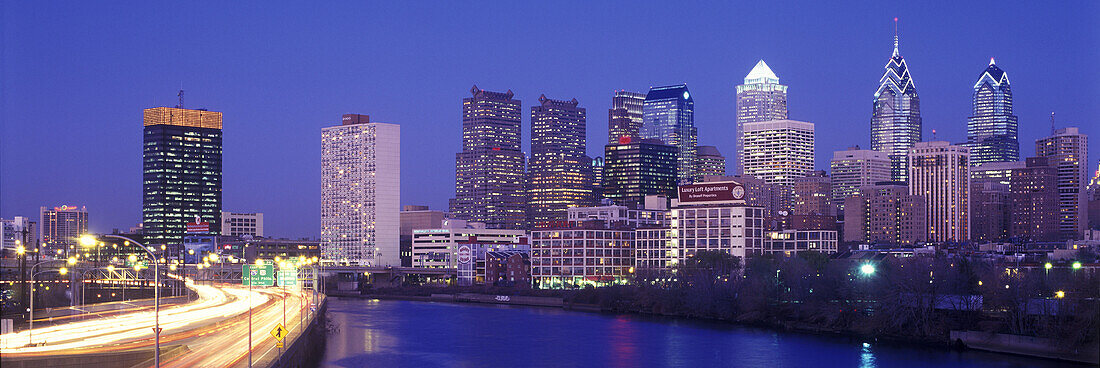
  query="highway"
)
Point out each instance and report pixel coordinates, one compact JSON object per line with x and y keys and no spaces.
{"x":214,"y":328}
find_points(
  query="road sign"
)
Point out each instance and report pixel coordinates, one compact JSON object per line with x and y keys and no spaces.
{"x":279,"y":344}
{"x":288,"y":276}
{"x":279,"y":332}
{"x":258,"y":275}
{"x":156,"y":330}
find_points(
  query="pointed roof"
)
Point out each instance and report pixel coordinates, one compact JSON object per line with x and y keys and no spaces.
{"x":995,"y":75}
{"x":761,"y":73}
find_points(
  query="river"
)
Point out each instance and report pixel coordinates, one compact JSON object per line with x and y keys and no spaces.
{"x":373,"y":333}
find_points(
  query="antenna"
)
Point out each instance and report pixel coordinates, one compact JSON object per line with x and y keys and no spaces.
{"x":180,"y":106}
{"x":933,"y":134}
{"x":895,"y":36}
{"x":1052,"y":123}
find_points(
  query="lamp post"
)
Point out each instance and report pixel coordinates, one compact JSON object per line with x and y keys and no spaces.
{"x":88,"y":239}
{"x":83,"y":299}
{"x":62,"y":271}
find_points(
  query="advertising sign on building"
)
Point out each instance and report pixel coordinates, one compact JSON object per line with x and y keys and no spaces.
{"x":465,"y":254}
{"x":465,"y":265}
{"x":716,"y":192}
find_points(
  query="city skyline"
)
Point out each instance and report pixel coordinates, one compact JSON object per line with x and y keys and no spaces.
{"x":280,"y":146}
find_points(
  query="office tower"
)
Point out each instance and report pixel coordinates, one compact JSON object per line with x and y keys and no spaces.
{"x":855,"y":168}
{"x":624,"y":119}
{"x":990,"y":206}
{"x":991,"y":133}
{"x":779,"y":151}
{"x":812,"y":195}
{"x":361,"y":192}
{"x":16,"y":232}
{"x":597,"y":178}
{"x":885,"y":212}
{"x":761,"y":98}
{"x":241,"y":223}
{"x":669,"y":115}
{"x":995,"y":172}
{"x":940,"y":172}
{"x":895,"y":118}
{"x":489,"y":172}
{"x":60,"y":227}
{"x":634,"y":169}
{"x":1067,"y":150}
{"x":182,"y":172}
{"x":709,"y":161}
{"x":560,"y":173}
{"x":1033,"y":202}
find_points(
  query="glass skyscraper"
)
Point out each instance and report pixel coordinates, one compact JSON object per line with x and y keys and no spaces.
{"x":634,"y":169}
{"x":895,"y":119}
{"x":624,"y":119}
{"x":761,"y":98}
{"x":489,"y":172}
{"x":669,"y":116}
{"x":559,"y":173}
{"x":992,"y":133}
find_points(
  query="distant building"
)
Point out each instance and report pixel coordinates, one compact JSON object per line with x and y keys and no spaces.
{"x":507,"y":268}
{"x":709,"y":161}
{"x":59,"y":228}
{"x":438,"y":248}
{"x":559,"y":172}
{"x":1033,"y":203}
{"x":361,"y":192}
{"x":991,"y":133}
{"x":895,"y":118}
{"x":760,"y":98}
{"x":489,"y":172}
{"x":634,"y":169}
{"x":990,"y":211}
{"x":597,"y":177}
{"x":791,"y":242}
{"x":624,"y":119}
{"x":779,"y":151}
{"x":582,"y":254}
{"x":669,"y":116}
{"x":853,"y":169}
{"x":1067,"y":149}
{"x":240,"y":224}
{"x":886,"y":213}
{"x":758,"y":193}
{"x":940,"y":172}
{"x":812,"y":195}
{"x":417,"y":217}
{"x":18,"y":231}
{"x":614,"y":214}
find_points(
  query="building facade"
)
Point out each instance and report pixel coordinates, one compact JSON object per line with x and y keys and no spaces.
{"x":580,"y":254}
{"x":895,"y":116}
{"x":489,"y":172}
{"x":992,"y":132}
{"x":940,"y":172}
{"x":240,"y":224}
{"x":779,"y":151}
{"x":559,"y":173}
{"x":854,"y":169}
{"x":736,"y":229}
{"x":181,"y":172}
{"x":624,"y":119}
{"x":791,"y":242}
{"x":886,"y":213}
{"x":361,"y":192}
{"x":613,"y":214}
{"x":812,"y":195}
{"x":990,"y":211}
{"x":709,"y":161}
{"x":1067,"y":150}
{"x":669,"y":116}
{"x":634,"y":169}
{"x":59,"y":228}
{"x":18,"y":232}
{"x":1033,"y":202}
{"x":438,"y":248}
{"x":760,"y":98}
{"x":417,"y":217}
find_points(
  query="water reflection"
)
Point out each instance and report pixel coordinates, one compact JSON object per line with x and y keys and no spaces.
{"x":866,"y":357}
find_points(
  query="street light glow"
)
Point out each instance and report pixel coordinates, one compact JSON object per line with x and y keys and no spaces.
{"x":1077,"y":265}
{"x":87,"y":240}
{"x":1048,"y":266}
{"x":867,"y":269}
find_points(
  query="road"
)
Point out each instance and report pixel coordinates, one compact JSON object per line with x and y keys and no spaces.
{"x":214,"y":328}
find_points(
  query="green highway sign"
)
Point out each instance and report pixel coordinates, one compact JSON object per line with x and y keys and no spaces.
{"x":288,"y":276}
{"x":258,"y":275}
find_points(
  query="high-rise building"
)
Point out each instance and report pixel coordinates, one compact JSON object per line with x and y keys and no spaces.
{"x":761,"y":98}
{"x":669,"y":115}
{"x":361,"y":192}
{"x":489,"y":172}
{"x":853,"y":169}
{"x":182,"y":172}
{"x":1033,"y":202}
{"x":885,"y":212}
{"x":895,"y":118}
{"x":940,"y":172}
{"x":991,"y":132}
{"x":634,"y":169}
{"x":812,"y":195}
{"x":990,"y":206}
{"x":597,"y":177}
{"x":624,"y":119}
{"x":709,"y":161}
{"x":995,"y":172}
{"x":240,"y":224}
{"x":60,"y":227}
{"x":779,"y":151}
{"x":559,"y":172}
{"x":16,"y":232}
{"x":1067,"y":150}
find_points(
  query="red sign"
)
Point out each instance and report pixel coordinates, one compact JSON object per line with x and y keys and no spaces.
{"x":198,"y":228}
{"x":465,"y":255}
{"x":725,"y":191}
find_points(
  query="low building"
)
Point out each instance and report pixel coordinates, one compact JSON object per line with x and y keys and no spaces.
{"x":438,"y":248}
{"x":241,"y":224}
{"x":586,"y":253}
{"x":790,"y":242}
{"x":472,"y":259}
{"x":508,"y":268}
{"x":416,"y":217}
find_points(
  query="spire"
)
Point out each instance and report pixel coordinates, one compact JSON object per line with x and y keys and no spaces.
{"x":895,"y":36}
{"x":761,"y":73}
{"x":991,"y":61}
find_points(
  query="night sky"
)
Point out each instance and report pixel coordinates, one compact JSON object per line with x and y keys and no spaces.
{"x":75,"y":77}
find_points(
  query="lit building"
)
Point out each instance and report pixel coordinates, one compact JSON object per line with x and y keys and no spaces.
{"x":761,"y":98}
{"x":895,"y":118}
{"x":438,"y":248}
{"x":489,"y":172}
{"x":709,"y":161}
{"x":240,"y":224}
{"x":59,"y":228}
{"x":758,"y":193}
{"x":669,"y":116}
{"x":1067,"y":150}
{"x":597,"y":177}
{"x":791,"y":242}
{"x":992,"y":133}
{"x":417,"y":217}
{"x":812,"y":195}
{"x":559,"y":172}
{"x":588,"y":253}
{"x":885,"y":213}
{"x":990,"y":210}
{"x":940,"y":172}
{"x":853,"y":169}
{"x":634,"y":169}
{"x":779,"y":151}
{"x":1033,"y":202}
{"x":361,"y":192}
{"x":182,"y":172}
{"x":655,"y":214}
{"x":507,"y":268}
{"x":624,"y":119}
{"x":19,"y":231}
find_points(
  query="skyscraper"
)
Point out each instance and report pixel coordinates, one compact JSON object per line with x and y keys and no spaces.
{"x":669,"y":115}
{"x":361,"y":192}
{"x":624,"y":119}
{"x":895,"y":118}
{"x":60,"y":228}
{"x":709,"y":161}
{"x":854,"y":169}
{"x":1033,"y":202}
{"x":885,"y":212}
{"x":940,"y":172}
{"x":182,"y":172}
{"x":812,"y":195}
{"x":779,"y":151}
{"x":489,"y":172}
{"x":559,"y":173}
{"x":991,"y":133}
{"x":634,"y":169}
{"x":1067,"y":150}
{"x":761,"y":98}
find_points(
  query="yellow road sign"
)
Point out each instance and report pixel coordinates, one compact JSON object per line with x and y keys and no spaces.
{"x":279,"y":332}
{"x":279,"y":344}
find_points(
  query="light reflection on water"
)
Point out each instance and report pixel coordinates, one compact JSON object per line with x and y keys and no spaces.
{"x":415,"y":334}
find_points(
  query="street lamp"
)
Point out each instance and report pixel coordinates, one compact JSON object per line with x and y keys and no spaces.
{"x":30,"y":328}
{"x":867,"y":269}
{"x":156,"y":284}
{"x":1077,"y":265}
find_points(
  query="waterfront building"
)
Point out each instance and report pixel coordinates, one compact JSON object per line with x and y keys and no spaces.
{"x":581,"y":254}
{"x":181,"y":172}
{"x":438,"y":247}
{"x":853,"y":169}
{"x":634,"y":169}
{"x":1033,"y":203}
{"x":812,"y":195}
{"x":624,"y":118}
{"x":940,"y":172}
{"x":416,"y":217}
{"x":559,"y":172}
{"x":709,"y":161}
{"x":507,"y":268}
{"x":361,"y":192}
{"x":760,"y":98}
{"x":779,"y":151}
{"x":885,"y":212}
{"x":489,"y":172}
{"x":1067,"y":151}
{"x":668,"y":114}
{"x":240,"y":224}
{"x":60,"y":227}
{"x":992,"y":132}
{"x":895,"y":117}
{"x":791,"y":242}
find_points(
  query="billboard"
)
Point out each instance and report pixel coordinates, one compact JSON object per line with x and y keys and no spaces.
{"x":716,"y":192}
